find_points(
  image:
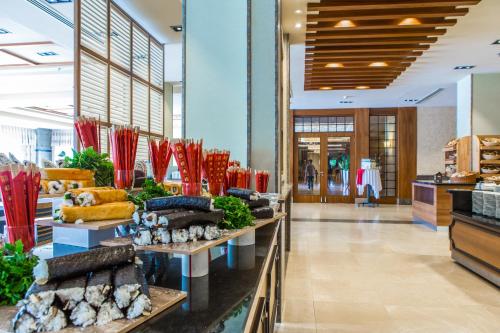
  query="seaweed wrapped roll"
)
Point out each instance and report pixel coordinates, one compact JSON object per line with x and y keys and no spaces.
{"x":99,"y":287}
{"x":180,"y":236}
{"x":243,"y":193}
{"x":129,"y":283}
{"x":211,"y":232}
{"x":53,"y":321}
{"x":108,"y":312}
{"x":83,"y":315}
{"x":70,"y":292}
{"x":199,"y":203}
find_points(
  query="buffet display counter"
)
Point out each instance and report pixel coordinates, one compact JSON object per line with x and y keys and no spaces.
{"x":431,"y":202}
{"x":474,"y":239}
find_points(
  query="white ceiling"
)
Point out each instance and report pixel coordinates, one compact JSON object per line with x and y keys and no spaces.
{"x":467,"y":43}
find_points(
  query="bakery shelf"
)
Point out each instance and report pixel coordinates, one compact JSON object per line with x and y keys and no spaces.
{"x":449,"y":149}
{"x":490,"y":162}
{"x":490,"y":147}
{"x":448,"y":162}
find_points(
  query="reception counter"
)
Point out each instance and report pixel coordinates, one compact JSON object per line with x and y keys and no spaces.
{"x":432,"y":203}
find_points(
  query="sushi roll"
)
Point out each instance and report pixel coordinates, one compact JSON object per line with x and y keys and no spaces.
{"x":129,"y":283}
{"x":39,"y":299}
{"x":24,"y":322}
{"x":196,"y":232}
{"x":56,"y":187}
{"x":211,"y":232}
{"x":85,"y":199}
{"x":243,"y":193}
{"x":180,"y":236}
{"x":198,"y":203}
{"x":161,"y":236}
{"x":53,"y":321}
{"x":80,"y":263}
{"x":136,"y":217}
{"x":70,"y":292}
{"x":73,"y":184}
{"x":83,"y":315}
{"x":140,"y":306}
{"x":149,"y":219}
{"x":108,"y":312}
{"x":263,"y":212}
{"x":99,"y":287}
{"x":143,"y":237}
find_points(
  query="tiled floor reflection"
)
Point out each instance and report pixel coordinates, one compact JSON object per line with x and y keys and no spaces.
{"x":369,"y":277}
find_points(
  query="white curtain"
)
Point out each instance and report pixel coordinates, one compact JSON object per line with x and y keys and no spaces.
{"x":19,"y":141}
{"x":62,"y":141}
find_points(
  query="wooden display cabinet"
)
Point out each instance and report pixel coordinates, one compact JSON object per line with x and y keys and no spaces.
{"x":479,"y":162}
{"x":459,"y":155}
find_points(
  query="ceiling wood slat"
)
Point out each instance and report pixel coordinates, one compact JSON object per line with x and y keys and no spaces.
{"x":381,"y":33}
{"x":372,"y":41}
{"x":380,"y":24}
{"x":346,"y":5}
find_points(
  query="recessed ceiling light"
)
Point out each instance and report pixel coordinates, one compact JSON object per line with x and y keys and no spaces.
{"x":411,"y":100}
{"x":325,"y":88}
{"x":57,"y":1}
{"x":379,"y":64}
{"x":298,"y":11}
{"x":47,"y":54}
{"x":346,"y":102}
{"x":465,"y":67}
{"x":176,"y":28}
{"x":362,"y":87}
{"x":497,"y":42}
{"x":334,"y":65}
{"x":345,"y":24}
{"x":4,"y":31}
{"x":298,"y":25}
{"x":410,"y":21}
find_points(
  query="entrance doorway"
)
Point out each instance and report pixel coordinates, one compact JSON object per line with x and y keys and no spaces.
{"x":323,"y":167}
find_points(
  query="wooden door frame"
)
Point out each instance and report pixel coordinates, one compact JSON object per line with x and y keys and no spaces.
{"x":303,"y":197}
{"x":352,"y":179}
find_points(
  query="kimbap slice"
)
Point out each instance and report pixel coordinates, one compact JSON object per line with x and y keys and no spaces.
{"x":143,"y":237}
{"x":70,"y":292}
{"x":24,"y":322}
{"x":161,"y":236}
{"x":83,"y":315}
{"x":53,"y":321}
{"x":199,"y":203}
{"x":212,"y":232}
{"x":196,"y":232}
{"x":38,"y":299}
{"x":180,"y":236}
{"x":243,"y":193}
{"x":129,"y":283}
{"x":108,"y":312}
{"x":263,"y":212}
{"x":99,"y":287}
{"x":140,"y":306}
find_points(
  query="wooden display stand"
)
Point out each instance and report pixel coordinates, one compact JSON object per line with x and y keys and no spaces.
{"x":161,"y":300}
{"x":195,"y":257}
{"x":459,"y":155}
{"x":87,"y":235}
{"x":479,"y":162}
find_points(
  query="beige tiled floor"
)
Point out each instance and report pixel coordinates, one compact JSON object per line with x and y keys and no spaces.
{"x":366,"y":277}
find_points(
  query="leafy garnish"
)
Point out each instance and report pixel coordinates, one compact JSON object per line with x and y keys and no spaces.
{"x":89,"y":159}
{"x":16,"y":272}
{"x":150,"y":190}
{"x":237,"y":214}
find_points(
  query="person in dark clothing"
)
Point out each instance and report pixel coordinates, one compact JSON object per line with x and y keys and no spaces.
{"x":310,"y":174}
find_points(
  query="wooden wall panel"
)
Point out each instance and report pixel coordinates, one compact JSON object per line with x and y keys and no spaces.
{"x":362,"y":137}
{"x":407,"y":152}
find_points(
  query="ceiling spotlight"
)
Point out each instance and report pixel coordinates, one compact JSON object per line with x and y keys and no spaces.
{"x":46,"y":54}
{"x":298,"y":25}
{"x":410,"y":21}
{"x":4,"y":31}
{"x":325,"y":88}
{"x":379,"y":64}
{"x":334,"y":65}
{"x":411,"y":100}
{"x":362,"y":87}
{"x":497,"y":42}
{"x":464,"y":67}
{"x":176,"y":28}
{"x":346,"y":102}
{"x":298,"y":11}
{"x":345,"y":24}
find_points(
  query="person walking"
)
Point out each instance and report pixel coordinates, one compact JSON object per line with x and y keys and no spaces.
{"x":310,"y":174}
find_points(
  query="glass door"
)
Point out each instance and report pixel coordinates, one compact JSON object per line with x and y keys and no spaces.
{"x":308,"y":164}
{"x":338,"y":169}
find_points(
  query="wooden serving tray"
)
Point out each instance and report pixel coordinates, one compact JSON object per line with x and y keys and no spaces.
{"x":191,"y":248}
{"x":161,"y":299}
{"x":94,"y":225}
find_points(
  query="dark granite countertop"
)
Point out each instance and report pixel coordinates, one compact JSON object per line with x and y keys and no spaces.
{"x":444,"y":183}
{"x":219,"y":302}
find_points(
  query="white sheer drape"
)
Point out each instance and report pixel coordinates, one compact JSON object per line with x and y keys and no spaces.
{"x":19,"y":141}
{"x":62,"y":141}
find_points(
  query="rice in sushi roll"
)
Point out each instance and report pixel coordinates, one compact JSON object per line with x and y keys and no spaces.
{"x":99,"y":287}
{"x":85,"y":199}
{"x":211,"y":232}
{"x":196,"y":232}
{"x":83,"y":315}
{"x":56,"y":187}
{"x":24,"y":322}
{"x":53,"y":321}
{"x":161,"y":236}
{"x":180,"y":236}
{"x":149,"y":219}
{"x":108,"y":312}
{"x":140,"y":306}
{"x":70,"y":292}
{"x":143,"y":237}
{"x":39,"y":299}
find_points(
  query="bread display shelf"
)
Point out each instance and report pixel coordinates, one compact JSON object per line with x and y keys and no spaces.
{"x":448,"y":149}
{"x":490,"y":147}
{"x":161,"y":299}
{"x":192,"y":248}
{"x":490,"y":162}
{"x":94,"y":225}
{"x":450,"y":162}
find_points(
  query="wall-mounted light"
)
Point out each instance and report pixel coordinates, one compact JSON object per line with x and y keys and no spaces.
{"x":334,"y":65}
{"x":176,"y":28}
{"x":298,"y":25}
{"x":298,"y":11}
{"x":410,"y":21}
{"x":345,"y":24}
